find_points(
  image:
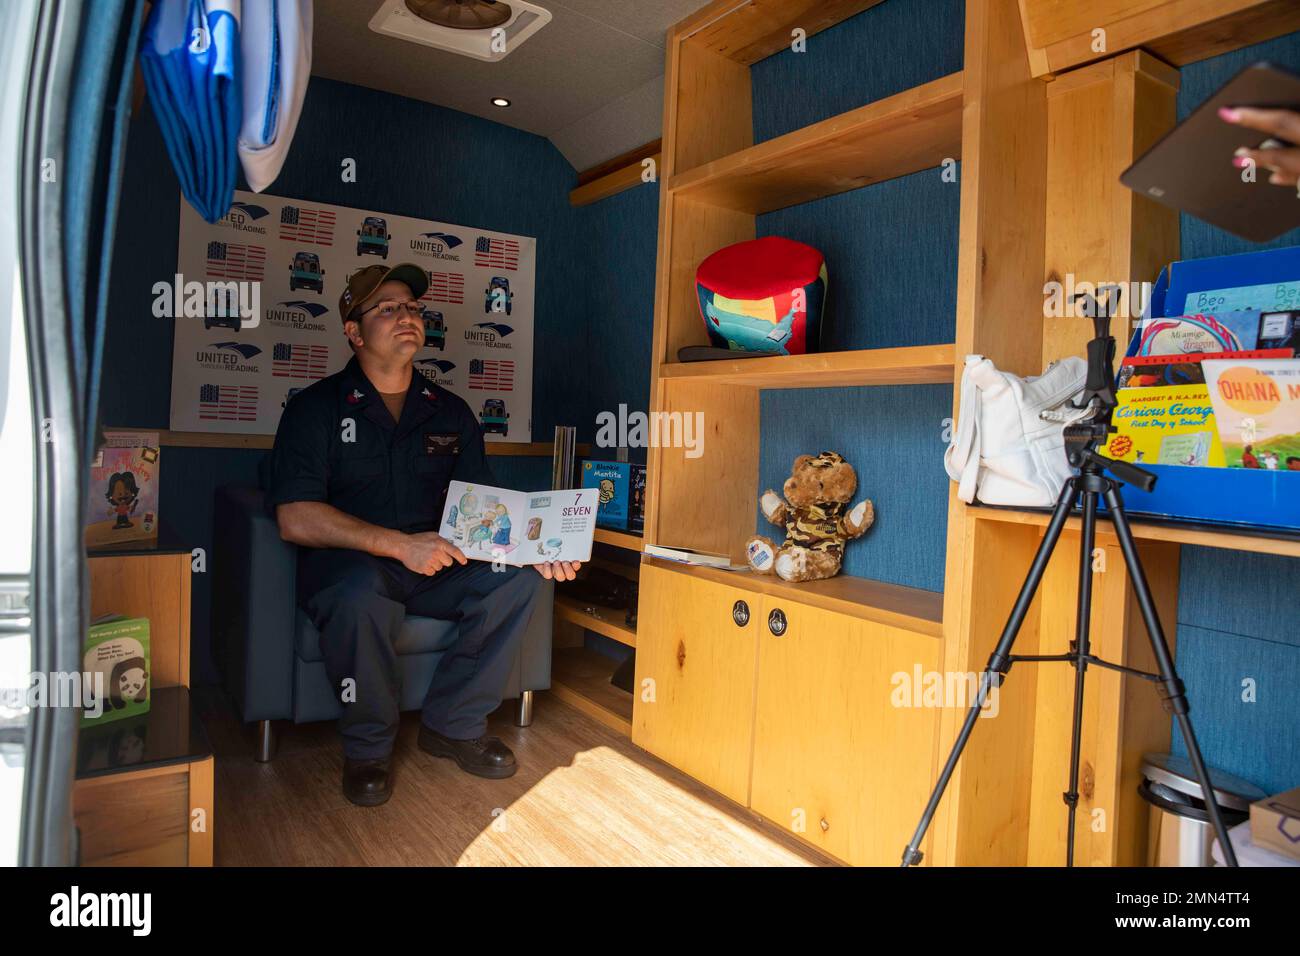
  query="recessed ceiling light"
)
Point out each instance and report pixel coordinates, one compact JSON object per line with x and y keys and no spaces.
{"x":500,"y":101}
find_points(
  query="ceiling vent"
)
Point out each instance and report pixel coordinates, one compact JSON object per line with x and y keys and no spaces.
{"x":484,"y":29}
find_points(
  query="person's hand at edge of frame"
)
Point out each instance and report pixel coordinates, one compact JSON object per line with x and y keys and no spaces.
{"x":1282,"y":162}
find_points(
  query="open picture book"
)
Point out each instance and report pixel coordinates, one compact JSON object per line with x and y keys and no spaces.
{"x":520,"y":527}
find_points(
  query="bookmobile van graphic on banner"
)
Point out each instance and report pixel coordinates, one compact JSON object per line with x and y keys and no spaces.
{"x":236,"y":376}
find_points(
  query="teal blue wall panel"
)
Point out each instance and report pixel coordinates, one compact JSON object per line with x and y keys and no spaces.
{"x":889,"y":48}
{"x":893,"y":437}
{"x":616,"y":287}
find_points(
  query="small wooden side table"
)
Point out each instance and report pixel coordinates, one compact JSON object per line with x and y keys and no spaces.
{"x":144,"y":789}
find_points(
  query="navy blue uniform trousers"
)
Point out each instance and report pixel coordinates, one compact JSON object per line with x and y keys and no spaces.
{"x":358,"y":602}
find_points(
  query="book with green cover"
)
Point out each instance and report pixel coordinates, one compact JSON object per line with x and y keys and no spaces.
{"x":115,"y":667}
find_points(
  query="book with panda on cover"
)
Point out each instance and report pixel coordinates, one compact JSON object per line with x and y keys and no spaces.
{"x":520,"y":527}
{"x":115,"y":662}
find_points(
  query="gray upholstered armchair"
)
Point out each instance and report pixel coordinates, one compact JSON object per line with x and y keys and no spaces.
{"x":268,"y":651}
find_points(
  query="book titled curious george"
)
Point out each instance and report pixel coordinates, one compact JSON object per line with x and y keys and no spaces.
{"x":1168,"y":425}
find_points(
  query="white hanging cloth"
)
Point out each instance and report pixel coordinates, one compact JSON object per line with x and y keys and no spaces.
{"x":275,"y":43}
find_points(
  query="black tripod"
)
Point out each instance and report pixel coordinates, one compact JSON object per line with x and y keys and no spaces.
{"x":1091,"y":484}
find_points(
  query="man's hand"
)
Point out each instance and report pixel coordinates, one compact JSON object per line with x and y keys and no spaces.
{"x":429,"y":553}
{"x":559,"y":570}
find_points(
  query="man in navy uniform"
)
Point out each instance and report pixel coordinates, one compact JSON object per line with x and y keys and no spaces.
{"x":359,"y":478}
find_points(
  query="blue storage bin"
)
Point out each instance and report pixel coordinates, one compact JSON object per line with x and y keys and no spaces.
{"x":1235,"y":497}
{"x":1239,"y":497}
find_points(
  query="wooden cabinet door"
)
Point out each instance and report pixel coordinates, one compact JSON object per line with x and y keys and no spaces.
{"x":693,"y":703}
{"x":836,"y":759}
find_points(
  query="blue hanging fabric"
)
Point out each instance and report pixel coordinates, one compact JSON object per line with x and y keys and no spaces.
{"x":190,"y":59}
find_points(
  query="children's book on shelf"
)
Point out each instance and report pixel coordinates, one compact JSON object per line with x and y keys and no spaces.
{"x":520,"y":527}
{"x":1168,"y":425}
{"x":1221,"y":332}
{"x":115,"y":669}
{"x":620,"y":487}
{"x":636,"y":503}
{"x":122,"y":504}
{"x":1147,"y":371}
{"x":704,"y":559}
{"x":1257,"y":407}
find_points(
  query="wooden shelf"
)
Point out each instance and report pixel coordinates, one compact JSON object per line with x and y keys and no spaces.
{"x":909,"y":608}
{"x":580,"y":678}
{"x":1158,"y":531}
{"x":619,"y":539}
{"x":911,"y":365}
{"x":1061,"y":36}
{"x":910,"y":131}
{"x":747,"y":31}
{"x":606,"y":621}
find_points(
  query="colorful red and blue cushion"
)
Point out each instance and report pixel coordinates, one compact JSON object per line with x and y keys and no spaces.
{"x":766,"y":295}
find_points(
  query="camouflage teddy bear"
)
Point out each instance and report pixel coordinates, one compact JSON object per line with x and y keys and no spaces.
{"x":817,"y":520}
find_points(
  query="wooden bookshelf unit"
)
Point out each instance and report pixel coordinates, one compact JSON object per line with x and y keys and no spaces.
{"x":789,"y":713}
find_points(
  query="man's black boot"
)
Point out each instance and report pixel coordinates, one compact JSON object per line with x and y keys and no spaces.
{"x":367,"y":783}
{"x":482,"y":756}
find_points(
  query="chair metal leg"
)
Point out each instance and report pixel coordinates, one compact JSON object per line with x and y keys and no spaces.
{"x":524,"y":710}
{"x":265,"y":743}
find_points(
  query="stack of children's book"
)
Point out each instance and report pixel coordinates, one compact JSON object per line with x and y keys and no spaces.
{"x":1211,"y":391}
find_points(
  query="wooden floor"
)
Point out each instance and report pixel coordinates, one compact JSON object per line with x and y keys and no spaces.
{"x":583,"y":796}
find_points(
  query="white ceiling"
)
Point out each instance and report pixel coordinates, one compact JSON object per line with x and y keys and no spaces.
{"x":591,"y":80}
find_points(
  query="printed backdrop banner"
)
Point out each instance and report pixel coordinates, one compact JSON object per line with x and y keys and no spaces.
{"x":229,"y":377}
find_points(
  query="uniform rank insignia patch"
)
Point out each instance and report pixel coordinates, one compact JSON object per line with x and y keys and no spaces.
{"x":436,"y":443}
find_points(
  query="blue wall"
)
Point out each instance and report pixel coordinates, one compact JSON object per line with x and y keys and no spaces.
{"x":882,"y":51}
{"x":1236,"y":611}
{"x":412,"y":159}
{"x":617,"y":286}
{"x":891,"y":252}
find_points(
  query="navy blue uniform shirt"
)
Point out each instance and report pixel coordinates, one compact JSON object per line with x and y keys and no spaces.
{"x":393,"y":475}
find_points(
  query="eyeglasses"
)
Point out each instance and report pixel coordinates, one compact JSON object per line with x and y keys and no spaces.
{"x":388,"y":310}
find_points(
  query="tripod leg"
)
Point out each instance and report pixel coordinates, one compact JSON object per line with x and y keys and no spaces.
{"x":1082,"y":632}
{"x":997,"y":665}
{"x":1171,"y":687}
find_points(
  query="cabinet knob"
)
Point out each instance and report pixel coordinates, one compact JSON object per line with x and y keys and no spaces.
{"x":776,"y":622}
{"x":740,"y":613}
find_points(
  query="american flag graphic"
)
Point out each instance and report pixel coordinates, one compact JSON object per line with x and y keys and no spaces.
{"x":314,"y":226}
{"x":299,"y":361}
{"x":235,"y":260}
{"x":496,"y":253}
{"x":497,"y":375}
{"x":445,"y":287}
{"x":228,"y":403}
